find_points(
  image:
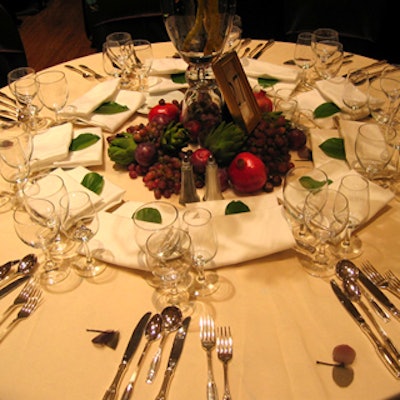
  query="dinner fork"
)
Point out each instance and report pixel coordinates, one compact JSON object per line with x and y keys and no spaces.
{"x":394,"y":281}
{"x":207,"y":338}
{"x":25,"y":312}
{"x":378,"y":279}
{"x":225,"y":352}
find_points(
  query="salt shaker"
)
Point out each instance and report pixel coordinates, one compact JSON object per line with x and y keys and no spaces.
{"x":188,"y":187}
{"x":213,"y":187}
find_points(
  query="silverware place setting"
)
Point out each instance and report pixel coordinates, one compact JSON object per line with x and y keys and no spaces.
{"x":85,"y":72}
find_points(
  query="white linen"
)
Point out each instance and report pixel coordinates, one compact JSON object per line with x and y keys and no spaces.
{"x":166,"y":84}
{"x":241,"y":237}
{"x":90,"y":156}
{"x":51,"y":145}
{"x":168,"y":66}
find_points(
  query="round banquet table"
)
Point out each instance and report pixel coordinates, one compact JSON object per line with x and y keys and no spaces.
{"x":282,"y":319}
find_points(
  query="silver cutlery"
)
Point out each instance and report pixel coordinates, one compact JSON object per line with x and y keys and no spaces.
{"x":91,"y":71}
{"x":255,"y":50}
{"x":391,"y":364}
{"x":394,"y":281}
{"x":225,"y":353}
{"x":243,"y":43}
{"x":7,"y":97}
{"x":78,"y":71}
{"x":263,"y":48}
{"x":13,"y":285}
{"x":370,"y":66}
{"x":208,"y":341}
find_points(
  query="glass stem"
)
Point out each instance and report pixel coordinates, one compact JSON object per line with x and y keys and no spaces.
{"x":88,"y":254}
{"x":347,"y":238}
{"x":49,"y":264}
{"x":201,"y":277}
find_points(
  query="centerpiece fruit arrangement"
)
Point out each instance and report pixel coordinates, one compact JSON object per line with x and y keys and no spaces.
{"x":248,"y":162}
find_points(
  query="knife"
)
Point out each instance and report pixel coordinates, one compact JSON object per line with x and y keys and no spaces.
{"x":265,"y":47}
{"x":379,"y":295}
{"x":390,"y":363}
{"x":91,"y":71}
{"x":13,"y":285}
{"x":133,"y":344}
{"x":174,"y":356}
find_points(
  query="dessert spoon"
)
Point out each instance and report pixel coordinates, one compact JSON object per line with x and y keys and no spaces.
{"x":25,"y":266}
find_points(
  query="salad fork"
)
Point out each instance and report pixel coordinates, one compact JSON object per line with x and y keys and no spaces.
{"x":394,"y":282}
{"x":208,"y":341}
{"x":25,"y":312}
{"x":225,"y":353}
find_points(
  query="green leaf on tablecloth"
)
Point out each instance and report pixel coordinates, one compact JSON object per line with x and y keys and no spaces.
{"x":334,"y":147}
{"x":236,"y":207}
{"x":178,"y":78}
{"x":267,"y":82}
{"x":326,"y":110}
{"x":94,"y":182}
{"x":309,"y":183}
{"x":82,"y":141}
{"x":148,"y":214}
{"x":110,"y":107}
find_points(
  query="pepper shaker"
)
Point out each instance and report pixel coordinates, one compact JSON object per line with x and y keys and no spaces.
{"x":213,"y":186}
{"x":188,"y":187}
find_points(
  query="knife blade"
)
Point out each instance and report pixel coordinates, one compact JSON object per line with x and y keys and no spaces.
{"x":379,"y":295}
{"x":265,"y":47}
{"x":133,"y":344}
{"x":13,"y":285}
{"x":175,"y":354}
{"x":391,"y":364}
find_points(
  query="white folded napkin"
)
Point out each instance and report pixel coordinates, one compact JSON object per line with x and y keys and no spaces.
{"x":166,"y":84}
{"x":51,"y":145}
{"x":168,"y":66}
{"x":90,"y":156}
{"x":110,"y":195}
{"x":152,"y":99}
{"x":262,"y":69}
{"x":99,"y":94}
{"x":241,"y":237}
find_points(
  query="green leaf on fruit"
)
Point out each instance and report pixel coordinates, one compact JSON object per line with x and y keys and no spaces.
{"x":83,"y":141}
{"x":148,"y":214}
{"x":94,"y":182}
{"x":326,"y":110}
{"x":267,"y":82}
{"x":178,"y":78}
{"x":110,"y":107}
{"x":334,"y":147}
{"x":236,"y":207}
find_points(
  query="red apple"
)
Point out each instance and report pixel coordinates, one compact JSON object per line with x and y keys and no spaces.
{"x":199,"y":160}
{"x":264,"y":102}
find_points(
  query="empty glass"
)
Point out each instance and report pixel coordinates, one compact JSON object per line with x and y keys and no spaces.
{"x":390,"y":84}
{"x":329,"y":58}
{"x":378,"y":103}
{"x":304,"y":57}
{"x":143,"y":56}
{"x":355,"y":91}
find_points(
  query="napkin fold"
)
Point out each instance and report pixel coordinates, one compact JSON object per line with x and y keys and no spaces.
{"x":241,"y":237}
{"x":168,"y":66}
{"x":51,"y":145}
{"x":90,"y":156}
{"x":262,"y":69}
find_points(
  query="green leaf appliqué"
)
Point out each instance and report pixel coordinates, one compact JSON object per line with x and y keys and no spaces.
{"x":326,"y":110}
{"x":149,"y":214}
{"x":94,"y":182}
{"x":236,"y":207}
{"x":110,"y":107}
{"x":178,"y":78}
{"x":267,"y":82}
{"x":334,"y":147}
{"x":83,"y":141}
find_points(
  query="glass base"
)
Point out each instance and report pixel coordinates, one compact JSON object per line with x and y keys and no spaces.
{"x":54,"y":276}
{"x":205,"y":288}
{"x":318,"y":268}
{"x":181,"y":300}
{"x":353,"y":250}
{"x":88,"y":270}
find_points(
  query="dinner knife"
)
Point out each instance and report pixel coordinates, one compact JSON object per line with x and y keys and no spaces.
{"x":133,"y":344}
{"x":175,"y":354}
{"x":265,"y":47}
{"x":13,"y":285}
{"x":391,"y":364}
{"x":379,"y":295}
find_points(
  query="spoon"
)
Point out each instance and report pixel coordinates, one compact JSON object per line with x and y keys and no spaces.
{"x":346,"y":269}
{"x":77,"y":70}
{"x":152,"y":332}
{"x":354,"y":292}
{"x":25,"y":266}
{"x":171,"y":321}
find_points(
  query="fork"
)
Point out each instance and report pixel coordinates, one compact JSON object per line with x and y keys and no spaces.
{"x":208,"y":341}
{"x":394,"y":282}
{"x":225,"y":352}
{"x":25,"y":312}
{"x":29,"y":290}
{"x":377,"y":278}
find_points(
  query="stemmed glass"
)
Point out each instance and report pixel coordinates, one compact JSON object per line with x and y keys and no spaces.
{"x":329,"y":58}
{"x":356,"y":189}
{"x":326,"y":214}
{"x":143,"y":56}
{"x":79,"y":221}
{"x":37,"y":225}
{"x":392,"y":137}
{"x":355,"y":91}
{"x":53,"y":91}
{"x":199,"y":224}
{"x":304,"y":57}
{"x":169,"y":257}
{"x":390,"y":84}
{"x":110,"y":67}
{"x":378,"y":103}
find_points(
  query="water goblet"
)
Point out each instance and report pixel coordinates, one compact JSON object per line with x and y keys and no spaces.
{"x":355,"y":91}
{"x":392,"y":137}
{"x":329,"y":58}
{"x":169,"y":258}
{"x":53,"y":91}
{"x":143,"y":57}
{"x":199,"y":224}
{"x":321,"y":34}
{"x":390,"y":84}
{"x":79,"y":222}
{"x":326,"y":214}
{"x":37,"y":225}
{"x":304,"y":58}
{"x":378,"y":103}
{"x":356,"y":189}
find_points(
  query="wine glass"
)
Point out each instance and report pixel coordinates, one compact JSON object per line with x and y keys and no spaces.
{"x":392,"y":136}
{"x":37,"y":225}
{"x":304,"y":58}
{"x":50,"y":187}
{"x":355,"y":91}
{"x":110,"y":68}
{"x":143,"y":56}
{"x":356,"y":189}
{"x":378,"y":103}
{"x":199,"y":224}
{"x":329,"y":58}
{"x":297,"y":184}
{"x":321,"y":34}
{"x":169,"y":258}
{"x":390,"y":84}
{"x":53,"y":91}
{"x":326,"y":214}
{"x":79,"y":222}
{"x":372,"y":150}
